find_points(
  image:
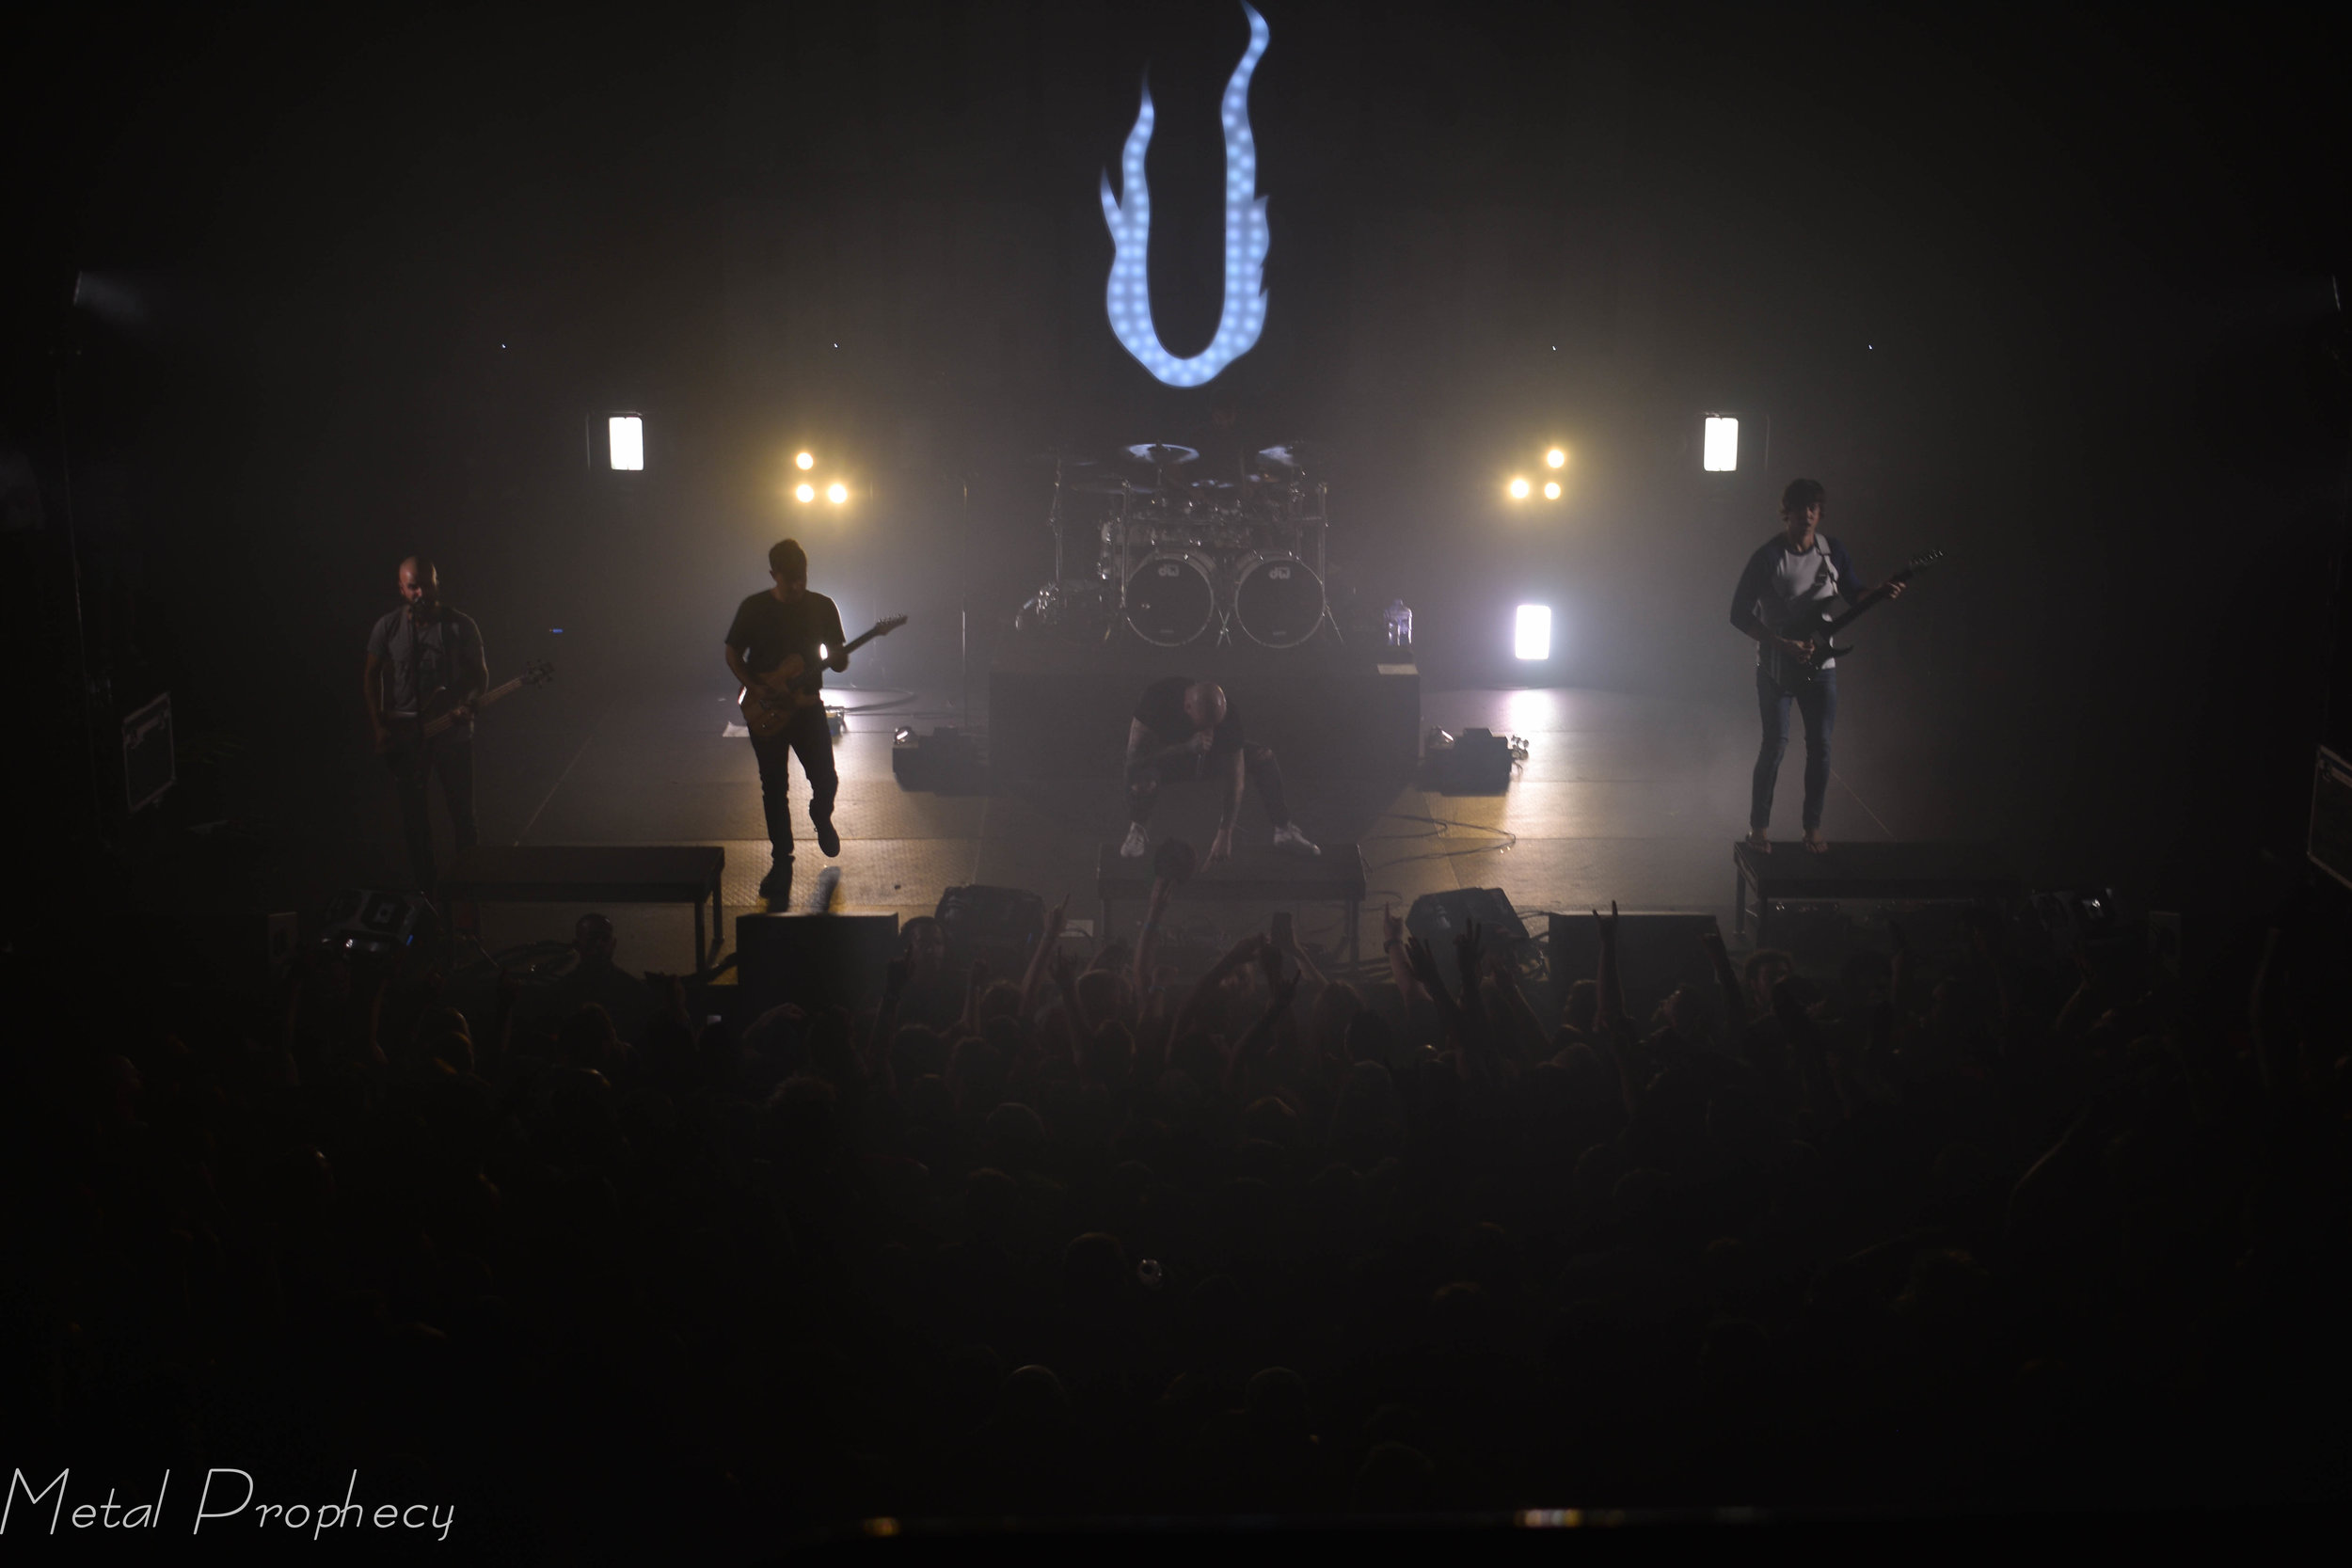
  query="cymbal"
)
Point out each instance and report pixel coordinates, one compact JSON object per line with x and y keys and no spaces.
{"x":1105,"y":484}
{"x":1161,"y":456}
{"x":1288,"y":454}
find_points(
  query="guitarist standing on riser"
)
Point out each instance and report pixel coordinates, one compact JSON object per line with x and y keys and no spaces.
{"x":415,"y":653}
{"x":788,"y":624}
{"x":1800,"y":567}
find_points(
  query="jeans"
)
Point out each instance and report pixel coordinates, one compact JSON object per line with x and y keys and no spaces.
{"x":449,"y":756}
{"x":1147,"y":770}
{"x":1818,"y":701}
{"x":803,"y":735}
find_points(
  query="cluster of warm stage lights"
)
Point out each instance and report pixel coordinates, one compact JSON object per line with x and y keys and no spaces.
{"x":1520,"y":489}
{"x":806,"y":490}
{"x":1530,"y":628}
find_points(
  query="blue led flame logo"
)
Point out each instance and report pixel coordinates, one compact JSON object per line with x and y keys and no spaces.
{"x":1129,"y":296}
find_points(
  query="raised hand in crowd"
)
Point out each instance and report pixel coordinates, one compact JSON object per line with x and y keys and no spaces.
{"x":1050,"y":925}
{"x":1400,"y":964}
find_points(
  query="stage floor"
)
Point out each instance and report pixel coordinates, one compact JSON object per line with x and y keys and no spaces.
{"x":1632,"y":798}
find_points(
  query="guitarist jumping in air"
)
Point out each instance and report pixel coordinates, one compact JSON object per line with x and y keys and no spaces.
{"x":1789,"y":581}
{"x":782,"y":643}
{"x":424,"y":666}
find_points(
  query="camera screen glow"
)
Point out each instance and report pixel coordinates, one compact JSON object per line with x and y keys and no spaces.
{"x":1128,"y":297}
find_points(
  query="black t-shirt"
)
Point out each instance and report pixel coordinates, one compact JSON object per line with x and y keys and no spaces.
{"x":767,"y":630}
{"x":1162,"y":712}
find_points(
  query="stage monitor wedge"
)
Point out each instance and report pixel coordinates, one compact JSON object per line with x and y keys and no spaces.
{"x":813,"y":961}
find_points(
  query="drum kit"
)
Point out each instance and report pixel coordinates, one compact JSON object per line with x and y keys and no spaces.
{"x":1179,"y":558}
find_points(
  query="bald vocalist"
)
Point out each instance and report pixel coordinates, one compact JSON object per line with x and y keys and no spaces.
{"x":1186,"y":730}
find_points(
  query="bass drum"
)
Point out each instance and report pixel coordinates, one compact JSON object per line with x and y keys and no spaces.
{"x":1278,"y":600}
{"x":1170,"y":601}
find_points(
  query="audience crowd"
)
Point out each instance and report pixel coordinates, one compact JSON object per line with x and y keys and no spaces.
{"x":1102,"y":1237}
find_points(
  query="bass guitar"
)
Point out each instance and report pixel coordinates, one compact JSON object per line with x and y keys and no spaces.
{"x":437,"y":712}
{"x":772,"y":699}
{"x":1814,"y":627}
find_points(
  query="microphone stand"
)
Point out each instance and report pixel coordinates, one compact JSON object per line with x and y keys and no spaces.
{"x":964,"y":607}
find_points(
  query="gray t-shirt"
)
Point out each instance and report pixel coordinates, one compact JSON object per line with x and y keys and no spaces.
{"x":422,"y":660}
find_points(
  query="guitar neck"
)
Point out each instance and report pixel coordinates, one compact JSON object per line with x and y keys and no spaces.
{"x":1863,"y":606}
{"x":436,"y":726}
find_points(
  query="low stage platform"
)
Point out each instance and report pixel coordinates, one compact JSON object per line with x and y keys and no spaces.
{"x":595,"y":873}
{"x":1623,"y":795}
{"x":1880,"y":872}
{"x":1059,"y":709}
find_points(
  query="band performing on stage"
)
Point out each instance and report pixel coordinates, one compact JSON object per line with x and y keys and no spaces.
{"x":426,"y":678}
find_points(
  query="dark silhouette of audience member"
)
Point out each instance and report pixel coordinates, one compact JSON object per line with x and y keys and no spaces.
{"x":1930,"y":1230}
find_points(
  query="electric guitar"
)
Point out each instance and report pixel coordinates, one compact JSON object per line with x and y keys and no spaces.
{"x":1815,"y":627}
{"x":772,"y":699}
{"x":438,"y":711}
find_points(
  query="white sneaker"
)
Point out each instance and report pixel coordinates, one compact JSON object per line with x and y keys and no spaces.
{"x":1287,"y":837}
{"x":1134,"y":847}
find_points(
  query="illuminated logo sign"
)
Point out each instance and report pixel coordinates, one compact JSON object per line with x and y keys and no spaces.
{"x":1129,"y":214}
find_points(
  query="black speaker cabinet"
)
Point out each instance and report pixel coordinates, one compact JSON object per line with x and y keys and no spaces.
{"x":1437,"y":918}
{"x":1656,"y":951}
{"x":813,"y":961}
{"x":996,"y":924}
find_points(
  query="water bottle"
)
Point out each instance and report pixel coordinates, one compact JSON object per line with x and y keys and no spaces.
{"x":1400,"y":622}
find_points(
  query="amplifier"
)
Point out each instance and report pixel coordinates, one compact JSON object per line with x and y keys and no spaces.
{"x":947,"y":760}
{"x":1476,"y":762}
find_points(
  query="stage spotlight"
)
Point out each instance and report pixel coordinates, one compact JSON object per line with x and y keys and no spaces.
{"x":626,"y":434}
{"x":1721,"y":452}
{"x":1519,"y":489}
{"x":1531,"y":636}
{"x":1552,"y":489}
{"x":836,"y":492}
{"x":1555,"y":458}
{"x":805,"y":493}
{"x":806,"y":461}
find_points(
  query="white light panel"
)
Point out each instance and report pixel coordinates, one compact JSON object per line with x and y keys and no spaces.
{"x":1531,"y":634}
{"x":1128,"y":297}
{"x":1721,"y":454}
{"x":627,"y":433}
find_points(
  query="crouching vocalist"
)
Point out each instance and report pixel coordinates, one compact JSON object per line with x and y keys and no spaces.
{"x":1186,"y":730}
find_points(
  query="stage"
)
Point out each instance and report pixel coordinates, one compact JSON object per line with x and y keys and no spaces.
{"x":1625,"y":797}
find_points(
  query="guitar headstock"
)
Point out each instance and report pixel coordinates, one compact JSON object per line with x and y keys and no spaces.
{"x":1916,"y":565}
{"x":537,"y":670}
{"x":888,"y":624}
